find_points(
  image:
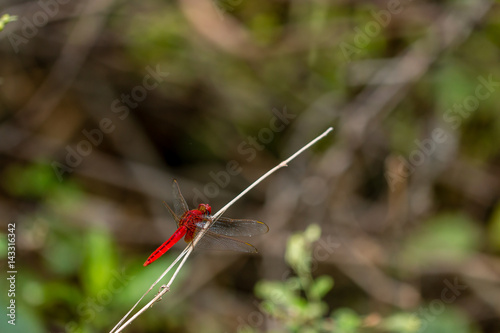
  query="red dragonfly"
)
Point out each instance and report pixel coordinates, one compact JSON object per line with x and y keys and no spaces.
{"x":190,"y":222}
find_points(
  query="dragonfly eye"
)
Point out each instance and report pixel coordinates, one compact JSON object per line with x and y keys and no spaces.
{"x":204,"y":208}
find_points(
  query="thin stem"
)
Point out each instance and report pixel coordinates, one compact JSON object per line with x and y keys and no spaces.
{"x":189,"y":249}
{"x":183,"y":253}
{"x":279,"y":166}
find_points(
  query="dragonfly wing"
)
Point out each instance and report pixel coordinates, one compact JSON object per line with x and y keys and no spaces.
{"x":213,"y":241}
{"x":176,"y":217}
{"x":180,"y":205}
{"x":233,"y":227}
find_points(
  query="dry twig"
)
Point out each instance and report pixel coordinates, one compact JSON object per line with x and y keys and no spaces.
{"x":189,"y":248}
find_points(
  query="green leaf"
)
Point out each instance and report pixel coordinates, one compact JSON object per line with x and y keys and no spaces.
{"x":346,"y":320}
{"x":312,"y":233}
{"x":297,"y":253}
{"x":402,"y":323}
{"x":315,"y":310}
{"x":6,"y":18}
{"x":293,"y":283}
{"x":276,"y":292}
{"x":299,"y":247}
{"x":100,"y":262}
{"x":320,"y":287}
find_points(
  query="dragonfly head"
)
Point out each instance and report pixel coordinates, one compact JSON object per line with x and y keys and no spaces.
{"x":205,"y":208}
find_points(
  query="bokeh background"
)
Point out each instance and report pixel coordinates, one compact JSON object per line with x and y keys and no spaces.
{"x":103,"y":103}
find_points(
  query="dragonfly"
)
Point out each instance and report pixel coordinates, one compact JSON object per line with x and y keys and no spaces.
{"x":220,"y":234}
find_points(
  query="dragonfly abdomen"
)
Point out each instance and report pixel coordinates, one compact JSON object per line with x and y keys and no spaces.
{"x":178,"y":234}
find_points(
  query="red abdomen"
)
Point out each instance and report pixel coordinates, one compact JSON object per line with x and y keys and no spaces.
{"x":178,"y":234}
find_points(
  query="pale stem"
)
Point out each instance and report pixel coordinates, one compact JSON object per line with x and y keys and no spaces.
{"x":279,"y":166}
{"x":189,"y":248}
{"x":150,"y":288}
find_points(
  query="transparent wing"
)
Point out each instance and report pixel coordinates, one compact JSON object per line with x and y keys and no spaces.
{"x":224,"y":243}
{"x":175,"y":216}
{"x":180,"y":205}
{"x":235,"y":227}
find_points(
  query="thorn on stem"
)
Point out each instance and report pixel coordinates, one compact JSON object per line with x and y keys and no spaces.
{"x":164,"y":286}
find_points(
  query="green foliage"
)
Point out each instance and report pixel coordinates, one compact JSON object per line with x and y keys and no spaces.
{"x":347,"y":321}
{"x":100,"y":261}
{"x":450,"y":321}
{"x":6,"y":18}
{"x":494,"y":229}
{"x":297,"y":302}
{"x":401,"y":323}
{"x":445,"y":238}
{"x":32,"y":181}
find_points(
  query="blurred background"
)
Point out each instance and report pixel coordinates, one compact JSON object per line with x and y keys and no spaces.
{"x":103,"y":103}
